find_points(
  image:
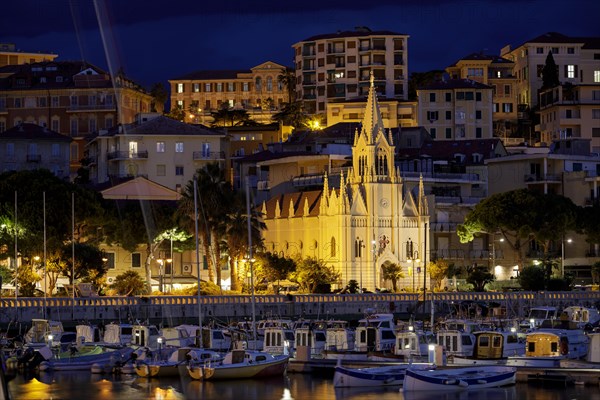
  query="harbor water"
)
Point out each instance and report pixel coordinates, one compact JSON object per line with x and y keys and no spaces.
{"x":87,"y":386}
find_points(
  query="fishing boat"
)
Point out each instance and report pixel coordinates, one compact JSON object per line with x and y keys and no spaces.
{"x":154,"y":365}
{"x":81,"y":358}
{"x":492,"y":347}
{"x":389,"y":375}
{"x":458,"y":379}
{"x":552,"y":342}
{"x":241,"y":364}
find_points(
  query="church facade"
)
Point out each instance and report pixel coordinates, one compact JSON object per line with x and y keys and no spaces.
{"x":369,"y":221}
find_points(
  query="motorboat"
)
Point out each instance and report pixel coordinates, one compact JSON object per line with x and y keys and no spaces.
{"x":172,"y":361}
{"x":458,"y":379}
{"x":492,"y":347}
{"x":241,"y":364}
{"x":81,"y":358}
{"x":388,"y":375}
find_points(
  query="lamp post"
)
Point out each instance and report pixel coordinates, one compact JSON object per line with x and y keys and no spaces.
{"x":170,"y":269}
{"x":562,"y":256}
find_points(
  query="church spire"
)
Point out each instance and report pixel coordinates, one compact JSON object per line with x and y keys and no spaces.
{"x":372,"y":122}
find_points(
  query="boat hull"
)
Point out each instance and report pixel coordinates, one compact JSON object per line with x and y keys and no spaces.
{"x":373,"y":377}
{"x":244,"y":370}
{"x":85,"y":362}
{"x":459,"y":379}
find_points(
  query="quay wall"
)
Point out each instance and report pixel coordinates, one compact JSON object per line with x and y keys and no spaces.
{"x":174,"y":310}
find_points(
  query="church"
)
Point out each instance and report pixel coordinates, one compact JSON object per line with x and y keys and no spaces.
{"x":369,"y":221}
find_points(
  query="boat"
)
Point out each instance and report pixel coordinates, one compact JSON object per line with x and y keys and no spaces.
{"x":311,"y":334}
{"x":585,"y":317}
{"x":81,"y":358}
{"x":552,"y":342}
{"x":388,"y":375}
{"x":172,"y":361}
{"x":537,"y":315}
{"x":278,"y":339}
{"x":374,"y":334}
{"x":458,"y":379}
{"x":492,"y":347}
{"x":241,"y":364}
{"x":412,"y":343}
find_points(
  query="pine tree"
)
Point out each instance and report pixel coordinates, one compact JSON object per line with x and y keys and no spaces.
{"x":550,"y":73}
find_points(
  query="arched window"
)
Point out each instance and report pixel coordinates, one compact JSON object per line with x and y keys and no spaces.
{"x":269,"y":84}
{"x":333,"y":249}
{"x":258,"y":83}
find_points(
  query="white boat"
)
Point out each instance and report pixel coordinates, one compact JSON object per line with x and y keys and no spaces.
{"x":278,"y":339}
{"x":389,"y":375}
{"x":458,"y":379}
{"x":584,"y":317}
{"x":154,"y":366}
{"x":311,"y":334}
{"x":412,"y":344}
{"x":241,"y":364}
{"x":537,"y":315}
{"x":492,"y":348}
{"x":551,"y":343}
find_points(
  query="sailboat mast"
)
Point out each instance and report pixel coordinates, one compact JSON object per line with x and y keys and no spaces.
{"x":250,"y":260}
{"x":197,"y":255}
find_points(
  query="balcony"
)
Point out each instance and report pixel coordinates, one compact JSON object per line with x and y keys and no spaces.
{"x":35,"y":158}
{"x":208,"y":155}
{"x":92,"y":107}
{"x":542,"y":178}
{"x":127,"y":155}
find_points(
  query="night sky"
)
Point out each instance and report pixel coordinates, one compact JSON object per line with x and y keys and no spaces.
{"x":154,"y":43}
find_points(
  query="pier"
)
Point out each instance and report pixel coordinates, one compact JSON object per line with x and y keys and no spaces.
{"x":173,"y":310}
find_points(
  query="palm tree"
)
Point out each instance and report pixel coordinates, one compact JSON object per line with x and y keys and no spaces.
{"x":236,"y":237}
{"x":288,"y":80}
{"x":214,"y":194}
{"x":293,"y":115}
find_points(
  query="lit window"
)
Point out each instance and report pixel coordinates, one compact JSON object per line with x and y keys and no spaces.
{"x":219,"y":87}
{"x":245,"y":87}
{"x":196,"y":87}
{"x":160,"y":147}
{"x":207,"y":87}
{"x":180,"y":88}
{"x":596,"y":76}
{"x":570,"y":71}
{"x":179,"y":147}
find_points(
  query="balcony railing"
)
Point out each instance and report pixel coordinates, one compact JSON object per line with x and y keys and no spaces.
{"x":208,"y":155}
{"x":541,"y":178}
{"x":126,"y":155}
{"x":91,"y":107}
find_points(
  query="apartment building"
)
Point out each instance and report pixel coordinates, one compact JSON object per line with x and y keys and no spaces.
{"x":395,"y":113}
{"x":578,"y":61}
{"x":496,"y":72}
{"x":456,"y":109}
{"x":261,"y":91}
{"x":10,"y":55}
{"x":156,"y":147}
{"x":73,"y":98}
{"x":30,"y":146}
{"x":571,"y":111}
{"x":338,"y":66}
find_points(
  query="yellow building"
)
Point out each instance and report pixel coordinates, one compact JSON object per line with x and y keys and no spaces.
{"x":496,"y":72}
{"x":456,"y":109}
{"x":363,"y":224}
{"x":395,"y":113}
{"x":260,"y":91}
{"x":10,"y":55}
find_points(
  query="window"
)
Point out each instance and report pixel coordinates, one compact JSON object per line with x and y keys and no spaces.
{"x":448,"y":97}
{"x":496,"y":107}
{"x":595,"y":94}
{"x":269,"y":84}
{"x":539,"y":50}
{"x":596,"y":76}
{"x":54,"y":125}
{"x":432,"y":132}
{"x":595,"y":132}
{"x":570,"y":50}
{"x":160,"y":147}
{"x":196,"y":87}
{"x":432,"y":97}
{"x":179,"y":170}
{"x":207,"y":87}
{"x":136,"y":260}
{"x":568,"y":113}
{"x":571,"y":72}
{"x":432,"y":116}
{"x":231,"y":87}
{"x":477,"y":96}
{"x":59,"y":79}
{"x":92,"y":125}
{"x":448,"y":115}
{"x":180,"y":104}
{"x":180,"y":88}
{"x":448,"y":133}
{"x":477,"y":114}
{"x":10,"y":149}
{"x":161,"y":170}
{"x":178,"y":147}
{"x":42,"y":102}
{"x":258,"y":84}
{"x":219,"y":87}
{"x":469,"y":96}
{"x":110,"y":260}
{"x":460,"y":95}
{"x":74,"y":152}
{"x":18,"y":102}
{"x":555,"y":50}
{"x":205,"y":150}
{"x":74,"y":100}
{"x":74,"y":127}
{"x":507,"y":107}
{"x":108,"y":122}
{"x":245,"y":87}
{"x":507,"y":89}
{"x":596,"y":113}
{"x":478,"y":133}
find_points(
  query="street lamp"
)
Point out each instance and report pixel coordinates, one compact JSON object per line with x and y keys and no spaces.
{"x":374,"y":243}
{"x":169,"y":268}
{"x":562,"y":256}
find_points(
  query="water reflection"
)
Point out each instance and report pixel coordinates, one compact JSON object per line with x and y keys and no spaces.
{"x":504,"y":393}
